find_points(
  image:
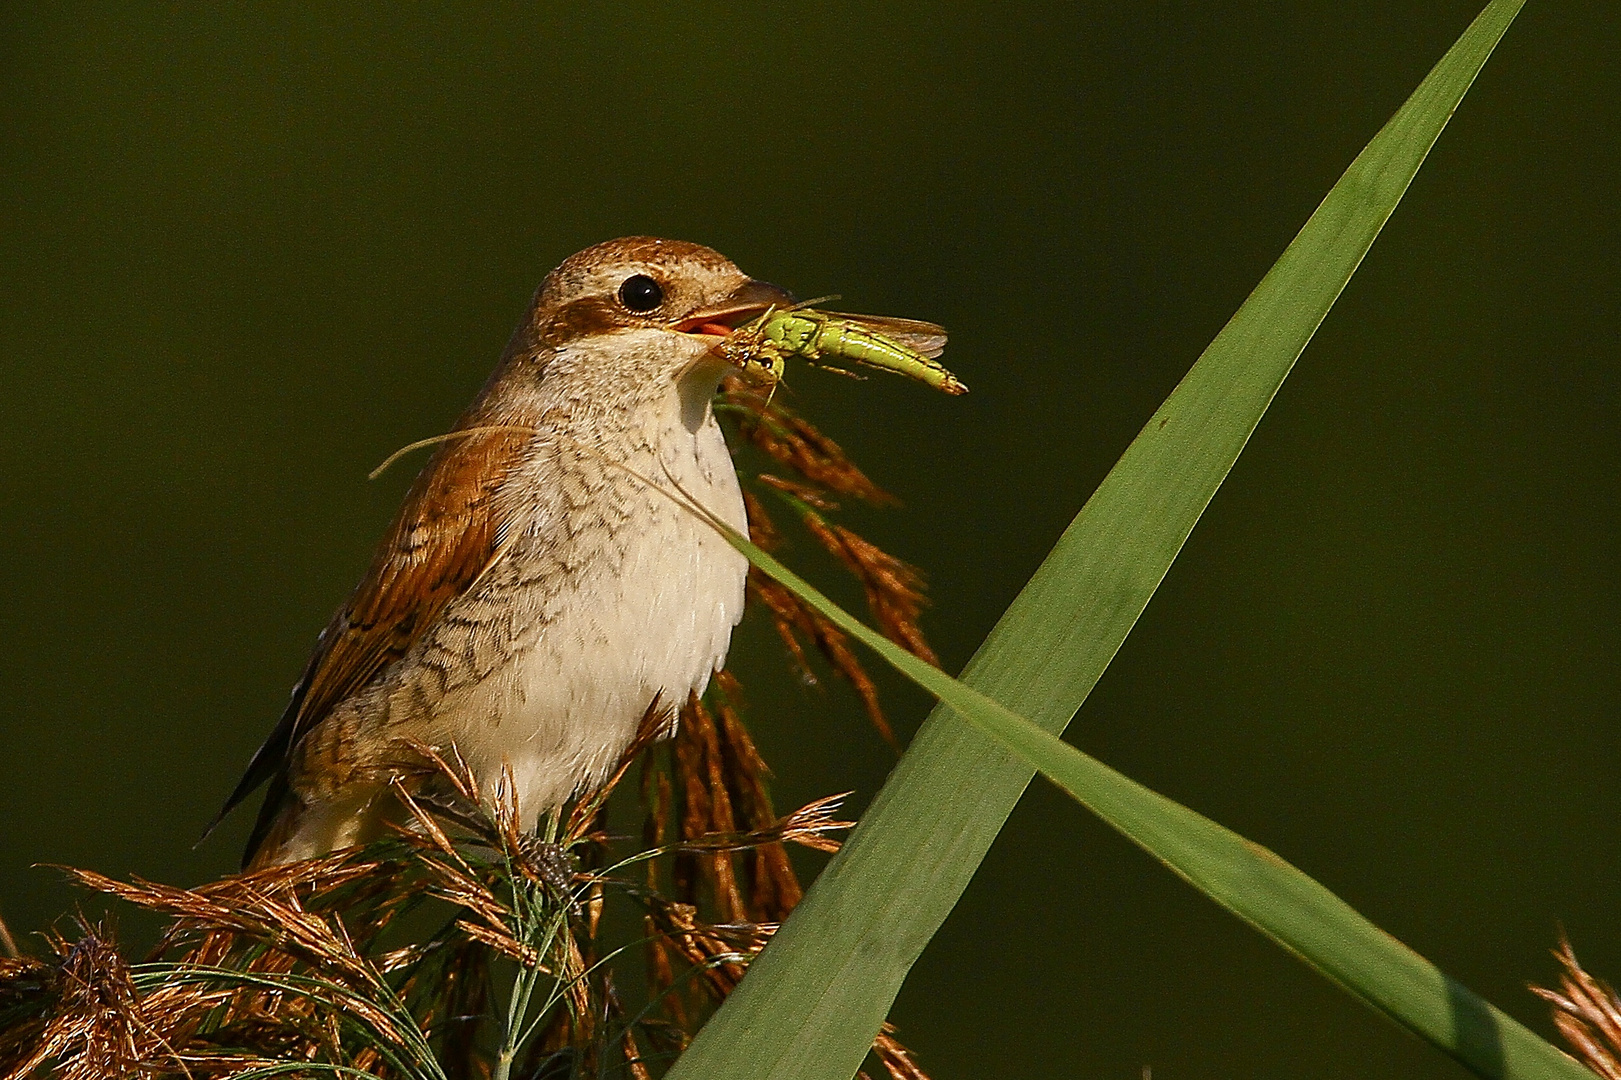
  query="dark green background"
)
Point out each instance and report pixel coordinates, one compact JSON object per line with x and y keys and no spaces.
{"x":245,"y":255}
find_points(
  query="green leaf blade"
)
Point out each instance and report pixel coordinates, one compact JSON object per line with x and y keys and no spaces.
{"x":1252,"y":882}
{"x":813,"y":1000}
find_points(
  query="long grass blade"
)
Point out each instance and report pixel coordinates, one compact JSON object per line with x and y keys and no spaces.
{"x":815,"y":998}
{"x":1252,"y":882}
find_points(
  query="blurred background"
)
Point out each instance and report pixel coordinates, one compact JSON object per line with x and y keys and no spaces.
{"x":245,"y":254}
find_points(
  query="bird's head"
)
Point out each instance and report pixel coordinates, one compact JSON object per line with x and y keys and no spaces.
{"x":644,"y":307}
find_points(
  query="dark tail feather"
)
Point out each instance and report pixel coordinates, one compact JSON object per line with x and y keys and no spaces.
{"x":270,"y":813}
{"x":268,"y":762}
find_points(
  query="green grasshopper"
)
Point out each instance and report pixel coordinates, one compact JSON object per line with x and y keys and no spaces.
{"x":905,"y":346}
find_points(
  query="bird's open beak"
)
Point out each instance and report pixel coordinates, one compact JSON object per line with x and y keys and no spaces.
{"x":749,"y":300}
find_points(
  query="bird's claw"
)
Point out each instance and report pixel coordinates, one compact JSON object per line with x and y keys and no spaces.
{"x":553,"y":865}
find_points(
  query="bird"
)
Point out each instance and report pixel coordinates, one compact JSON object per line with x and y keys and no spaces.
{"x":544,"y":585}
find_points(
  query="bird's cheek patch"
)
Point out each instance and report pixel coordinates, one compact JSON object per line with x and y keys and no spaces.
{"x":588,"y":315}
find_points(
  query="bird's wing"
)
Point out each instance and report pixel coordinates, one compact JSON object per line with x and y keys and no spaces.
{"x":447,"y":533}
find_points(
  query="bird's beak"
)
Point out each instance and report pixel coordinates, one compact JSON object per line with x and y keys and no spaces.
{"x":747,"y":301}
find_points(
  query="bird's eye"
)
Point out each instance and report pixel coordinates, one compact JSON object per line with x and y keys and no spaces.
{"x":640,"y":293}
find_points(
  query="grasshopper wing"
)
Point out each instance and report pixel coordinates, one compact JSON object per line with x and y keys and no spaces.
{"x":923,"y":337}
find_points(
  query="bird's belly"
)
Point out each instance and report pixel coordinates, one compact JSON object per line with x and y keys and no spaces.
{"x":652,"y":621}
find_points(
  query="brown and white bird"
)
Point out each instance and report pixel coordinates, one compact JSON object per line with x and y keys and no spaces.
{"x":535,"y":595}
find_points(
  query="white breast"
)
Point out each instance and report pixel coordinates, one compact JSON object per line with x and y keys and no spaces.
{"x":648,"y":615}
